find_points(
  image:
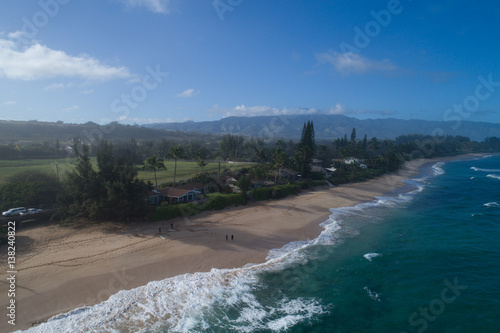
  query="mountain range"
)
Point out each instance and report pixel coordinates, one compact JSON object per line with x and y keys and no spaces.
{"x":329,"y":127}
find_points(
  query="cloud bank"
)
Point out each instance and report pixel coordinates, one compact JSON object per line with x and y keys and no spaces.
{"x":347,"y":63}
{"x":40,"y":62}
{"x":263,"y":110}
{"x":156,"y":6}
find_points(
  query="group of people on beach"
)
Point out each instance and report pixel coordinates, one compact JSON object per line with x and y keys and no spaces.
{"x":232,"y":237}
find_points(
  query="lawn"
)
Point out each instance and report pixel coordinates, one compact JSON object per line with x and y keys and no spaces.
{"x":9,"y":168}
{"x":185,"y":169}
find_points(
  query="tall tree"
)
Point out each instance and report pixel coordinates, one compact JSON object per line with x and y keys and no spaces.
{"x":306,"y":148}
{"x":176,"y":152}
{"x":231,"y":146}
{"x":353,"y":135}
{"x":261,"y":155}
{"x":202,"y":163}
{"x":155,"y":163}
{"x":114,"y":191}
{"x":279,"y":161}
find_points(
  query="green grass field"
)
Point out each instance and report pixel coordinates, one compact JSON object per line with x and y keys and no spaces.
{"x":9,"y":168}
{"x":185,"y":169}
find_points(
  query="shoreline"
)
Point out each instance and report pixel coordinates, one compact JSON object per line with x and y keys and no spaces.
{"x":60,"y":269}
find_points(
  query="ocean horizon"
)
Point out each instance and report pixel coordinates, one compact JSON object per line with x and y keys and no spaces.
{"x":424,"y":258}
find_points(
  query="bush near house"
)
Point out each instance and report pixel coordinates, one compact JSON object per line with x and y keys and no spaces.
{"x":275,"y":192}
{"x":216,"y":202}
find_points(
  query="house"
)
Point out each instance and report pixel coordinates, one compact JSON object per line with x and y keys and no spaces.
{"x":355,"y":161}
{"x":199,"y":187}
{"x":318,"y":169}
{"x":179,"y":194}
{"x":316,"y":162}
{"x":230,"y":181}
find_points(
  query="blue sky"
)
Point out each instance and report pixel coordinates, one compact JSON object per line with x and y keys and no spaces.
{"x":145,"y":61}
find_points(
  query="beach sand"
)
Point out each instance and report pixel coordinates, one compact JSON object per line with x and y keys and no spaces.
{"x":62,"y":268}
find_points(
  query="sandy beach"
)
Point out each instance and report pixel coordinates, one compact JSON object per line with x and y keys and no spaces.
{"x":62,"y":268}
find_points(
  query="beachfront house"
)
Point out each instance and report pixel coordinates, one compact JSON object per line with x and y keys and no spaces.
{"x":180,"y":194}
{"x":199,"y":187}
{"x":355,"y":161}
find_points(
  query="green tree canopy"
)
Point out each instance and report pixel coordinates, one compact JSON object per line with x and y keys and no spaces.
{"x":111,"y":192}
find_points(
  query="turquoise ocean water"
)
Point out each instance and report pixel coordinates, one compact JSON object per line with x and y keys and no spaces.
{"x":425,"y":259}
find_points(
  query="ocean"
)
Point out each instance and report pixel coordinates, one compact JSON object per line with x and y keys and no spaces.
{"x":425,"y":258}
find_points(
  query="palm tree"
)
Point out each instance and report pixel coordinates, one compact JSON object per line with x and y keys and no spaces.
{"x":279,"y":161}
{"x":199,"y":157}
{"x":261,"y":155}
{"x":153,"y":162}
{"x":202,"y":163}
{"x":176,"y":152}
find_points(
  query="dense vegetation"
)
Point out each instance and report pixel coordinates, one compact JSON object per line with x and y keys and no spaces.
{"x":30,"y":189}
{"x":113,"y":191}
{"x":110,"y":187}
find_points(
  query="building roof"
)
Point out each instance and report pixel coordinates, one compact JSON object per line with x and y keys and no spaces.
{"x":194,"y":186}
{"x":174,"y":192}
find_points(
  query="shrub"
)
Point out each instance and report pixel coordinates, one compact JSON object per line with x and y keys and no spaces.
{"x":318,"y":182}
{"x":275,"y":192}
{"x":237,"y":199}
{"x":221,"y":201}
{"x":283,"y":191}
{"x":262,"y":193}
{"x":218,"y":202}
{"x":171,"y":212}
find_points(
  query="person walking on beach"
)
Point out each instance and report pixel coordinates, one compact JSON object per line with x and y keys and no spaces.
{"x":226,"y":237}
{"x":232,"y":237}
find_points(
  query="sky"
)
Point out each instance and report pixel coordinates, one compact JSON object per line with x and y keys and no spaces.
{"x":150,"y":61}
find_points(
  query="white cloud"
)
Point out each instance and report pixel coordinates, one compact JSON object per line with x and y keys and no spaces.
{"x":338,"y":109}
{"x":350,"y":62}
{"x":88,"y":91}
{"x":55,"y":86}
{"x":71,"y":108}
{"x":16,"y":34}
{"x":188,"y":93}
{"x":157,"y":6}
{"x":10,"y":103}
{"x":40,"y":62}
{"x":263,"y":110}
{"x":128,"y":120}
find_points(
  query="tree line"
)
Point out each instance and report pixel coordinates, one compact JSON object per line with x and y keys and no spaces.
{"x":113,"y":190}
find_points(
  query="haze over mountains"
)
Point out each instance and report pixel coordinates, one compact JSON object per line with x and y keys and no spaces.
{"x":327,"y":127}
{"x":332,"y":127}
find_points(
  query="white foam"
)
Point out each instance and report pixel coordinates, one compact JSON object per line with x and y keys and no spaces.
{"x":485,"y":170}
{"x":293,"y":312}
{"x":493,"y":176}
{"x":182,"y":303}
{"x":373,"y":295}
{"x":437,"y":168}
{"x":492,"y":204}
{"x":370,"y":256}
